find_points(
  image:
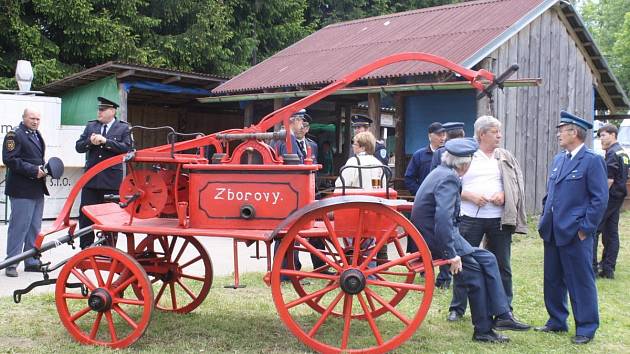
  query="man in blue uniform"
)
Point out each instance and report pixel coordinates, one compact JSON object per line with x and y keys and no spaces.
{"x":453,"y":130}
{"x":420,"y":163}
{"x":303,"y":141}
{"x":23,"y":154}
{"x":617,"y":163}
{"x":296,"y":123}
{"x":102,"y":138}
{"x":577,"y":194}
{"x":361,"y":123}
{"x":435,"y":213}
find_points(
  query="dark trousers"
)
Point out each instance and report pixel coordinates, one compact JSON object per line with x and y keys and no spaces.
{"x":609,"y":228}
{"x":568,"y":269}
{"x":480,"y":277}
{"x":90,"y":196}
{"x":499,"y":243}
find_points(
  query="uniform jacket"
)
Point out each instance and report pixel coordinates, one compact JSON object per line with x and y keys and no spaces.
{"x":577,"y":196}
{"x":281,"y":147}
{"x":380,"y":152}
{"x":617,"y":163}
{"x":437,"y":157}
{"x":314,"y":149}
{"x":23,"y":155}
{"x":118,"y":142}
{"x":435,"y":213}
{"x":418,"y":169}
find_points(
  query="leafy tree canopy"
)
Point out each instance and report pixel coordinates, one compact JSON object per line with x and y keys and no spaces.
{"x":222,"y":37}
{"x":609,"y":22}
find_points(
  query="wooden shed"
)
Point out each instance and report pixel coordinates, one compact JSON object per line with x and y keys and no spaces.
{"x":546,"y":38}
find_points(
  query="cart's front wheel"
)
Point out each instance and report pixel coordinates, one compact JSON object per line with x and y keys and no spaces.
{"x":108,"y":315}
{"x":356,"y":302}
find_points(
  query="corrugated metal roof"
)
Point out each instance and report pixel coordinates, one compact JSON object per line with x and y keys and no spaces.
{"x":457,"y":32}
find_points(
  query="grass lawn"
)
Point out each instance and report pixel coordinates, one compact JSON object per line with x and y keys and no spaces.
{"x":245,"y":320}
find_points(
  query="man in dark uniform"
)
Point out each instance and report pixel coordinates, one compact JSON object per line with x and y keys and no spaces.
{"x":577,"y":195}
{"x":435,"y":213}
{"x":617,"y":163}
{"x":102,"y":138}
{"x":453,"y":130}
{"x":23,"y":154}
{"x":296,"y":123}
{"x":303,"y":141}
{"x":420,"y":164}
{"x":361,"y":123}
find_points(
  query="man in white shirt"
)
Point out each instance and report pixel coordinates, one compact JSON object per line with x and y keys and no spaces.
{"x":492,"y":205}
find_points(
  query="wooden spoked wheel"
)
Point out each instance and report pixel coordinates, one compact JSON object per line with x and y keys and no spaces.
{"x":362,"y":304}
{"x":107,"y":315}
{"x":180,"y":270}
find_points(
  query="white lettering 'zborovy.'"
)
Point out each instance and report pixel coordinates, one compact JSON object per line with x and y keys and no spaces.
{"x":229,"y":194}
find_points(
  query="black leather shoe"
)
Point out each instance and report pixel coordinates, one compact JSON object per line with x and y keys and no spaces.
{"x":490,"y":337}
{"x":11,"y":272}
{"x":547,"y":329}
{"x":33,"y":268}
{"x":443,"y":285}
{"x":454,"y":316}
{"x":510,"y":324}
{"x":581,"y":339}
{"x":607,"y":274}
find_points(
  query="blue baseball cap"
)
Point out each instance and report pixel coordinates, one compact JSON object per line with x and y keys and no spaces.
{"x":448,"y":126}
{"x":568,"y":118}
{"x":436,"y":127}
{"x":461,"y":147}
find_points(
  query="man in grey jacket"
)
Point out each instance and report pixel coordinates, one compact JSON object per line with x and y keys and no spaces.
{"x":493,"y":205}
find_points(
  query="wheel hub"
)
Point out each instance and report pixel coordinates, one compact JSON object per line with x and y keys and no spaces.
{"x":100,"y":300}
{"x":352,"y":281}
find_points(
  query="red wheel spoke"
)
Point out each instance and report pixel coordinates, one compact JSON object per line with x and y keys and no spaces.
{"x":370,"y":319}
{"x":325,"y":315}
{"x":80,"y":314}
{"x":194,"y":277}
{"x":124,"y":284}
{"x":395,"y":285}
{"x":110,"y":325}
{"x":389,"y":307}
{"x":181,"y":251}
{"x":399,"y":248}
{"x":347,"y":316}
{"x":357,"y":240}
{"x":171,"y":247}
{"x":386,"y":266}
{"x":371,"y":302}
{"x":159,"y":294}
{"x":311,"y":296}
{"x":173,"y":296}
{"x":83,"y":278}
{"x":330,"y":251}
{"x":122,"y":300}
{"x":125,"y":316}
{"x":381,"y":242}
{"x":187,"y":290}
{"x":97,"y":272}
{"x":194,"y":260}
{"x":302,"y":274}
{"x":335,"y":241}
{"x":110,"y":277}
{"x":74,"y":296}
{"x":96,"y":325}
{"x":304,"y":242}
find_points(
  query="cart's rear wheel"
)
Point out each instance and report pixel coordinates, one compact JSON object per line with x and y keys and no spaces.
{"x":363,"y":306}
{"x":104,"y":316}
{"x":180,"y":270}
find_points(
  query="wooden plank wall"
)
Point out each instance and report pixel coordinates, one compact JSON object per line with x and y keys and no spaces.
{"x":180,"y":119}
{"x":542,"y":49}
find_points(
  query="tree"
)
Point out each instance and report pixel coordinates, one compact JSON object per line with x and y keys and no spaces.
{"x":609,"y":23}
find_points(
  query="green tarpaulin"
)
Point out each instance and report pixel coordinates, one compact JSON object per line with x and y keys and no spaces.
{"x":79,"y":105}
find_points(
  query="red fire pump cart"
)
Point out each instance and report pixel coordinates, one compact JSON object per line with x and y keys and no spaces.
{"x":359,"y":300}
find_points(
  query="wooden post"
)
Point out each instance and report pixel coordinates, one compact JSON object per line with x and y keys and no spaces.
{"x":399,"y":124}
{"x":277,"y":104}
{"x":249,"y":114}
{"x":347,"y":151}
{"x":122,"y":110}
{"x":483,"y":105}
{"x":374,"y":110}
